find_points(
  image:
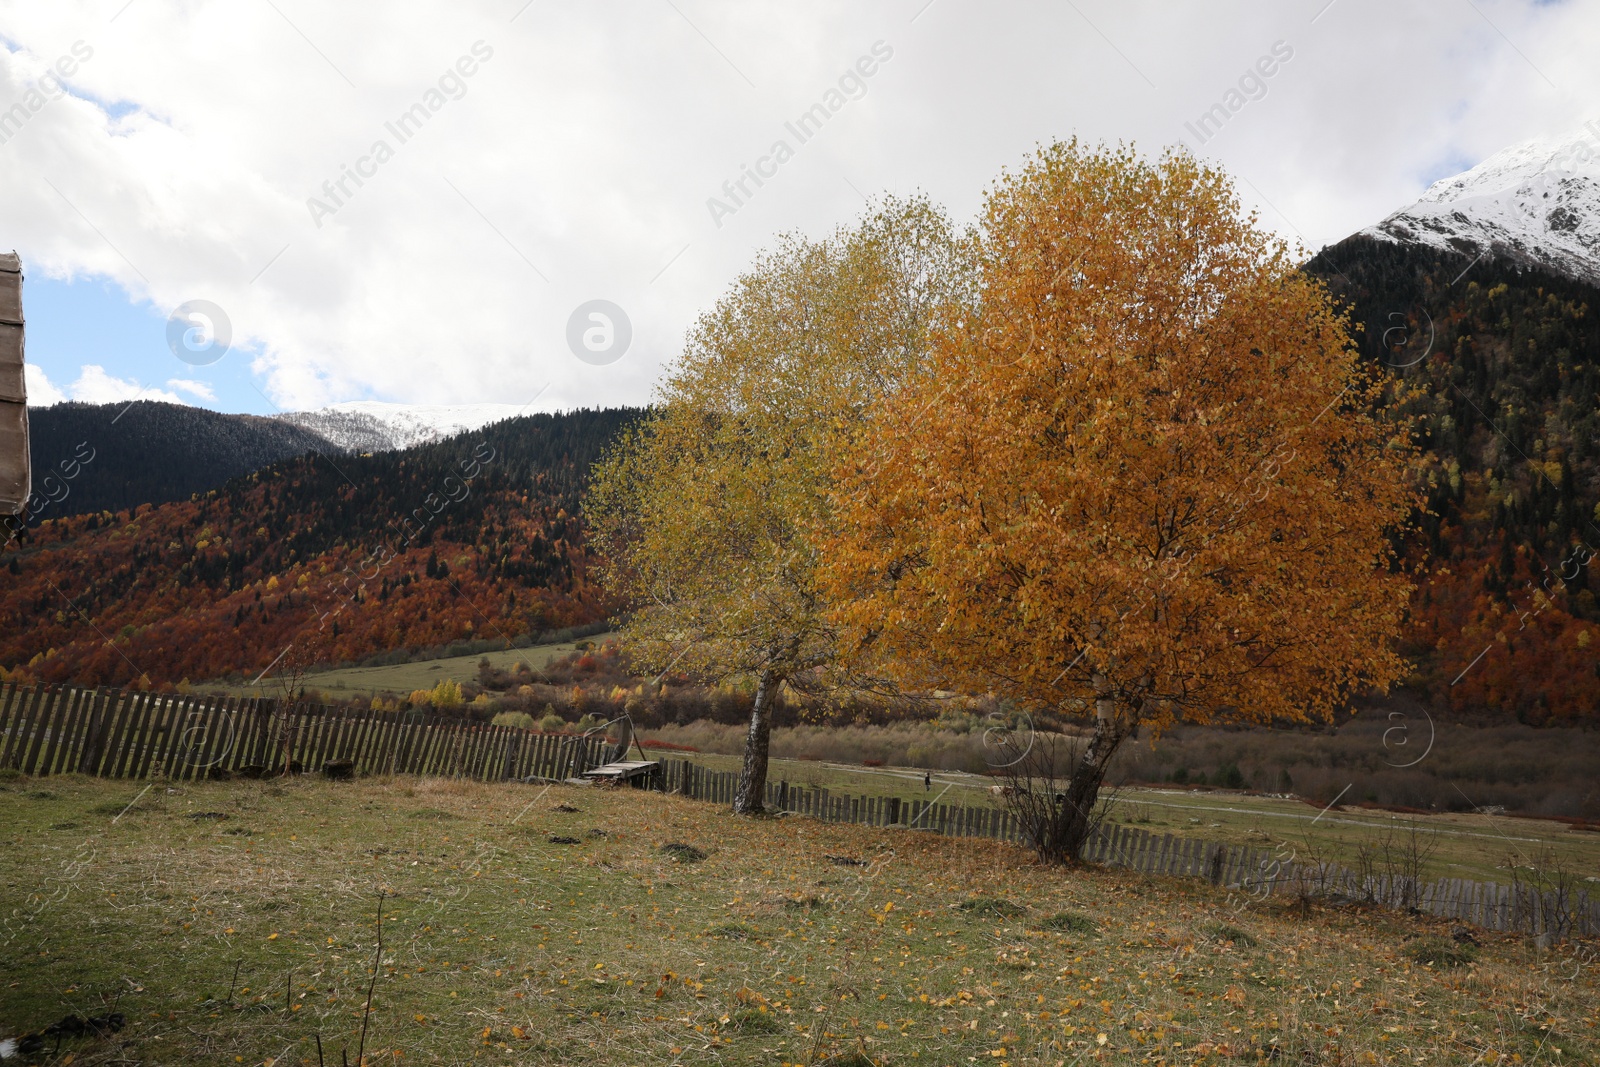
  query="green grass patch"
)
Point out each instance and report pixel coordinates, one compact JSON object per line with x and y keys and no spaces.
{"x":734,"y":932}
{"x":1224,"y":932}
{"x":1435,"y":951}
{"x":500,"y":949}
{"x":682,"y":853}
{"x":992,"y":908}
{"x":1068,"y":922}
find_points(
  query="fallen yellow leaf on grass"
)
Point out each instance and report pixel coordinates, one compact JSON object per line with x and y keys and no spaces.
{"x":272,"y":937}
{"x":519,"y":1032}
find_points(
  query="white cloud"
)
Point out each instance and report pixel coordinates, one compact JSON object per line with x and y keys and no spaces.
{"x":95,"y":386}
{"x":42,"y":392}
{"x":198,"y":390}
{"x":579,"y":157}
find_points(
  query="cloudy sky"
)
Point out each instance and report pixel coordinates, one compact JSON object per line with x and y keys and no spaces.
{"x":176,"y":156}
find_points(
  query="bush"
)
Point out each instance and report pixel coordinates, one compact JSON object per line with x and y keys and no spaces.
{"x":447,"y":694}
{"x":1230,"y":777}
{"x":991,"y":907}
{"x":757,"y":1020}
{"x":519,"y":719}
{"x":1224,"y":932}
{"x":682,"y":853}
{"x":551,"y":723}
{"x":1434,"y":951}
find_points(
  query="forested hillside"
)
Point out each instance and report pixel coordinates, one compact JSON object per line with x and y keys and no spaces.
{"x":1500,"y":368}
{"x":338,"y":557}
{"x":109,"y":457}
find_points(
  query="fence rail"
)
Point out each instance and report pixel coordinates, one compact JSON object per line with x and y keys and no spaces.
{"x":122,"y":734}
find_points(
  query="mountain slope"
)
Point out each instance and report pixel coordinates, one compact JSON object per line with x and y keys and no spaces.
{"x":110,"y":457}
{"x":1534,"y":204}
{"x":371,"y":426}
{"x":1499,"y":366}
{"x":318,"y":558}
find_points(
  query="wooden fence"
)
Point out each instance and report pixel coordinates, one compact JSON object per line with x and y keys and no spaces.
{"x":1559,"y":910}
{"x":120,"y":734}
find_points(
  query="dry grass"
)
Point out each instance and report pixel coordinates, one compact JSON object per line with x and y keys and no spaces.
{"x":501,"y":947}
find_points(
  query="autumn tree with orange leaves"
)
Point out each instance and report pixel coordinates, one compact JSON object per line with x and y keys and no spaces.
{"x":1141,"y":483}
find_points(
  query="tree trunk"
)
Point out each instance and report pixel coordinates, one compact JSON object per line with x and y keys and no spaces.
{"x":1084,"y":789}
{"x":750,"y":799}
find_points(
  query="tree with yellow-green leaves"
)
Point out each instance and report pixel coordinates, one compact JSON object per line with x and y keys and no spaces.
{"x":1140,"y":483}
{"x":708,"y":513}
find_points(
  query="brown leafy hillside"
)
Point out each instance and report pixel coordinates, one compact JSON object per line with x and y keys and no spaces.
{"x":1500,"y":368}
{"x":341,"y":558}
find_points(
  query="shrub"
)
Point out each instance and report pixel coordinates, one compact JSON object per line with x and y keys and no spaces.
{"x":991,"y":907}
{"x":1435,"y":951}
{"x":1230,"y":777}
{"x":519,"y":719}
{"x":552,"y":722}
{"x":757,"y":1020}
{"x":733,"y":932}
{"x":682,"y":853}
{"x":1224,"y":932}
{"x":1181,"y":776}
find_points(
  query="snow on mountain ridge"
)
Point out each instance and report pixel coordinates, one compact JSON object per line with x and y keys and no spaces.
{"x":374,"y":426}
{"x":1537,"y":202}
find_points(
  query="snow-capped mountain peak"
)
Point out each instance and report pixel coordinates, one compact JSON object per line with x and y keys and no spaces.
{"x":1537,"y":202}
{"x":373,"y":426}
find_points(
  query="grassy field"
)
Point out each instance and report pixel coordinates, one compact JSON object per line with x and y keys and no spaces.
{"x":403,"y":678}
{"x":236,"y":923}
{"x":1459,"y":845}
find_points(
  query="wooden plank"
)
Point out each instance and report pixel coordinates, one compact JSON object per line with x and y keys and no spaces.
{"x":41,"y":727}
{"x":372,"y":752}
{"x":450,"y":750}
{"x":22,"y":728}
{"x":325,"y":726}
{"x":154,"y":724}
{"x":439,"y":748}
{"x":472,"y":751}
{"x":61,"y":754}
{"x":408,"y":739}
{"x":189,"y":737}
{"x":103,"y":716}
{"x":422,"y":745}
{"x":466,"y":761}
{"x":172,"y":740}
{"x":489,"y":738}
{"x":59,"y":747}
{"x":408,"y":735}
{"x":16,"y":725}
{"x":429,"y":742}
{"x":8,"y":703}
{"x":125,"y":742}
{"x":13,"y":706}
{"x":216,"y":735}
